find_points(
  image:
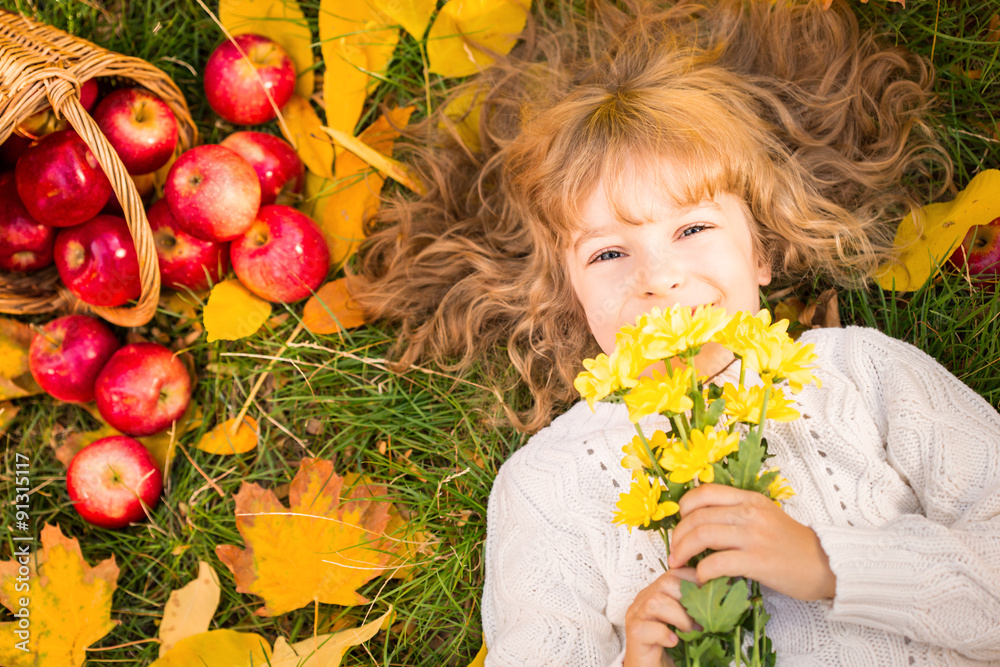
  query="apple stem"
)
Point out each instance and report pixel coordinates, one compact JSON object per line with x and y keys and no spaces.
{"x":260,"y":381}
{"x":41,"y":332}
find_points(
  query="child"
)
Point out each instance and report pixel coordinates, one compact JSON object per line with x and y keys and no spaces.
{"x":689,"y":155}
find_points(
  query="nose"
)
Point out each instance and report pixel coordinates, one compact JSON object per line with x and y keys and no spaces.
{"x":657,"y":273}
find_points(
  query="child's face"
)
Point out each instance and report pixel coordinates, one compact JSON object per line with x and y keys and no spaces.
{"x":687,"y":256}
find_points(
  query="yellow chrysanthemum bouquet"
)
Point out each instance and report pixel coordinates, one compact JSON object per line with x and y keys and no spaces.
{"x":704,"y":443}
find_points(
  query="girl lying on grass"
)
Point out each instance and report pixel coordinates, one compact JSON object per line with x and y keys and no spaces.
{"x":689,"y":154}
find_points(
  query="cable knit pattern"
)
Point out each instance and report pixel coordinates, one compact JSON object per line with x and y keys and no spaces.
{"x":896,"y":466}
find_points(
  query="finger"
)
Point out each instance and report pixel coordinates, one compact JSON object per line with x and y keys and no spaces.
{"x":651,"y":634}
{"x":662,"y":609}
{"x":707,"y":536}
{"x":705,"y":495}
{"x":728,"y":515}
{"x":725,"y":564}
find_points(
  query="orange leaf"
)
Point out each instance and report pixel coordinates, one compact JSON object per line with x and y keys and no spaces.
{"x":222,"y":440}
{"x":393,"y":169}
{"x":466,"y":32}
{"x":356,"y":44}
{"x":413,"y":15}
{"x":925,"y":241}
{"x":67,"y":606}
{"x":320,"y":549}
{"x":330,"y":309}
{"x":306,"y":135}
{"x":354,"y":196}
{"x":218,"y":648}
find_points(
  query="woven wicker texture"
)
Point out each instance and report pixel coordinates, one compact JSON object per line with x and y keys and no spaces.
{"x":41,"y":67}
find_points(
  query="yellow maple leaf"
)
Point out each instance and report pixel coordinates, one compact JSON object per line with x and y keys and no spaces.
{"x":466,"y":33}
{"x":281,"y":21}
{"x":330,"y":310}
{"x":306,"y":135}
{"x":65,"y":602}
{"x":413,"y":15}
{"x":925,"y":241}
{"x":464,"y":111}
{"x":326,"y":650}
{"x":189,"y":609}
{"x":218,"y":648}
{"x":221,"y":439}
{"x":357,"y":43}
{"x":353,"y":196}
{"x":319,"y":549}
{"x":233,"y":312}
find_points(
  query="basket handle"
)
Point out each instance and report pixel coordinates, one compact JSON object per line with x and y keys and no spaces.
{"x":65,"y":99}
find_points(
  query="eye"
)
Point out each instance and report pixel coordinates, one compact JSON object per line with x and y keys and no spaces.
{"x":693,"y":229}
{"x":606,"y":255}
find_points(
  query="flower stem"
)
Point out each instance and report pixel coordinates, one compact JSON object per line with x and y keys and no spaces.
{"x":757,"y":603}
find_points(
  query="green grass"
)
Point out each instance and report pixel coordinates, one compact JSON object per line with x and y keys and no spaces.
{"x":331,"y":397}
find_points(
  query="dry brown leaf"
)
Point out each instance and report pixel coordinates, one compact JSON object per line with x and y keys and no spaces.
{"x":67,"y":605}
{"x":330,"y":310}
{"x":189,"y":610}
{"x":307,"y":136}
{"x":222,"y":440}
{"x":320,"y":549}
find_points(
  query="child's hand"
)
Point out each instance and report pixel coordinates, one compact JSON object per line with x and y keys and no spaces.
{"x":647,"y":618}
{"x":752,"y":538}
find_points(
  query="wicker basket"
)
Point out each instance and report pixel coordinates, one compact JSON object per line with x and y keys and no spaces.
{"x":41,"y":66}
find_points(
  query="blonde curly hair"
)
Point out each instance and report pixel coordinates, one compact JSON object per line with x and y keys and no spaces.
{"x":822,"y":132}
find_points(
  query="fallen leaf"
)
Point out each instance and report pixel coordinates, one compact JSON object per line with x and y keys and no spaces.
{"x":357,"y":44}
{"x":413,"y":15}
{"x":218,"y":648}
{"x":466,"y":33}
{"x":281,"y":21}
{"x":189,"y":610}
{"x":326,"y":650}
{"x":221,"y":440}
{"x":182,"y":303}
{"x":353,"y":197}
{"x":394,"y":169}
{"x":315,"y":195}
{"x":306,"y":136}
{"x":925,"y":241}
{"x":233,"y":312}
{"x":68,"y":602}
{"x":480,"y":659}
{"x":319,"y":549}
{"x":464,"y":111}
{"x":16,"y":380}
{"x":7,"y":413}
{"x":330,"y":309}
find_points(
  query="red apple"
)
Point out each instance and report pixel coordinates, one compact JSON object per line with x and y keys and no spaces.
{"x":97,"y":261}
{"x":980,"y":251}
{"x":213,"y":193}
{"x":12,"y":149}
{"x":111,"y":479}
{"x":185,"y":262}
{"x":60,"y":181}
{"x":282,"y":257}
{"x":25,"y":243}
{"x":140,"y":127}
{"x":142,"y":389}
{"x":42,"y":123}
{"x":88,"y":94}
{"x":68,"y":353}
{"x":278,"y":167}
{"x":233,"y":83}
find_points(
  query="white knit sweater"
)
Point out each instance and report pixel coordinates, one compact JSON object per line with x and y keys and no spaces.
{"x":896,"y":466}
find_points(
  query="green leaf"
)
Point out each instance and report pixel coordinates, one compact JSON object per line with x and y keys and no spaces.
{"x":714,"y":411}
{"x":717,"y":606}
{"x":722,"y":475}
{"x":708,"y":652}
{"x":765,"y":479}
{"x":748,"y":461}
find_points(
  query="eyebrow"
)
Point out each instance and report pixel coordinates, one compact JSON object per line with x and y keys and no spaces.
{"x":681,"y":211}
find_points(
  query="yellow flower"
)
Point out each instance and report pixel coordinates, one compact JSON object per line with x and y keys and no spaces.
{"x":635,"y":454}
{"x":705,"y":447}
{"x":597,"y":381}
{"x":743,"y":404}
{"x":669,"y":333}
{"x":641,"y":505}
{"x":779,"y":489}
{"x":627,"y":362}
{"x":744,"y":332}
{"x":659,"y":394}
{"x":777,"y":358}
